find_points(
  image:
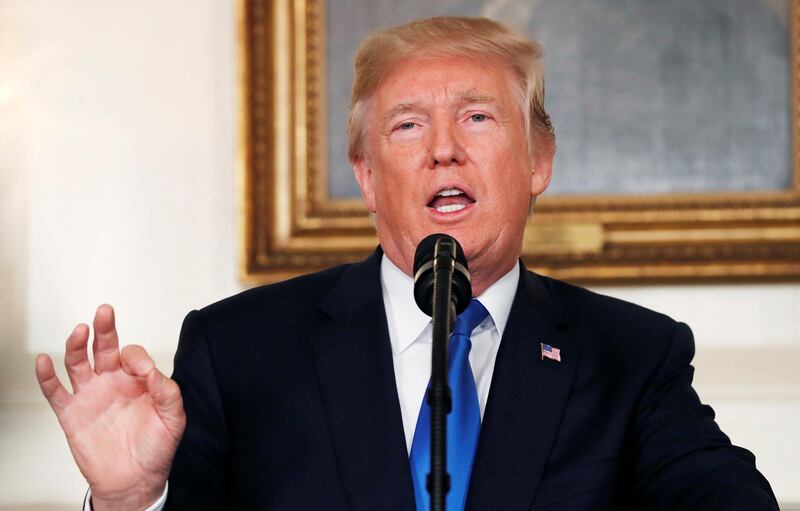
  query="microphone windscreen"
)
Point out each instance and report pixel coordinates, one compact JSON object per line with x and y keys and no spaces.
{"x":424,"y":275}
{"x":427,"y":249}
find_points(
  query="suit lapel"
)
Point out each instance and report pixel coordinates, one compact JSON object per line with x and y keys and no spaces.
{"x":526,"y":401}
{"x":353,"y":357}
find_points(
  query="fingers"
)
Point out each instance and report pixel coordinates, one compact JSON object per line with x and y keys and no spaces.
{"x":106,"y":343}
{"x":56,"y":394}
{"x":76,"y":359}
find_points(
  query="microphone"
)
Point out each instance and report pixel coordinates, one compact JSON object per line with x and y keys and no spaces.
{"x":442,"y":289}
{"x":440,"y":252}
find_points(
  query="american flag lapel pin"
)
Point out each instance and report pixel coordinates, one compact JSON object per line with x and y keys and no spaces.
{"x":550,"y":352}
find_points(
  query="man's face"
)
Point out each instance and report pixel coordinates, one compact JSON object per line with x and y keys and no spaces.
{"x":445,"y":151}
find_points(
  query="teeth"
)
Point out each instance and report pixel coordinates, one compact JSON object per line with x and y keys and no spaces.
{"x":451,"y":208}
{"x":449,"y":192}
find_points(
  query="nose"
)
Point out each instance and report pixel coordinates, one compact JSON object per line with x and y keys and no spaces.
{"x":445,"y":147}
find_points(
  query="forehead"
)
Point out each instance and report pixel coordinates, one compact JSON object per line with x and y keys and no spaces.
{"x":449,"y":80}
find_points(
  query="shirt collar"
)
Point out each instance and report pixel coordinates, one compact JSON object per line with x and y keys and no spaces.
{"x":406,"y":321}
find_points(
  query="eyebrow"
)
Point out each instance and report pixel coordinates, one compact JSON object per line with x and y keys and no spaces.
{"x":472,"y":96}
{"x":400,"y":108}
{"x":468,"y":97}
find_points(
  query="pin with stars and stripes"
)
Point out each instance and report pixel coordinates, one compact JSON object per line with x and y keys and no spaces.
{"x":550,"y":352}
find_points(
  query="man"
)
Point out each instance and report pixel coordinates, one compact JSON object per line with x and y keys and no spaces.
{"x":305,"y":394}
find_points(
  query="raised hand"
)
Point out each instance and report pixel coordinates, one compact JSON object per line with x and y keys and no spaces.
{"x":124,"y":419}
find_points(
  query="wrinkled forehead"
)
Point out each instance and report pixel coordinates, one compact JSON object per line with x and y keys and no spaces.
{"x":417,"y":82}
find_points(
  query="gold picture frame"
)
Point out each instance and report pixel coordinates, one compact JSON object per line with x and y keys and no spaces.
{"x":289,"y":224}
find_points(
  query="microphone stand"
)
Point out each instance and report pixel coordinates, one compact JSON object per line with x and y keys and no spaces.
{"x":439,"y":398}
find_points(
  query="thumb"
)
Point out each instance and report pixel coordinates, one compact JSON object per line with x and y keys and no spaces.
{"x":166,"y":396}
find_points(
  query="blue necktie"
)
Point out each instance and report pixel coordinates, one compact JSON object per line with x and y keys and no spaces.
{"x":463,"y":422}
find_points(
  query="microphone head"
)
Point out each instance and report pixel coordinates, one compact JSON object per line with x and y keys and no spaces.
{"x":431,"y":247}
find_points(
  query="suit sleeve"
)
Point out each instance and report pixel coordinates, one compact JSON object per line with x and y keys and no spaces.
{"x":681,"y":459}
{"x":197,"y":480}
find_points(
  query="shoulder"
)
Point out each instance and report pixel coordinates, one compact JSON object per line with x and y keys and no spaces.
{"x":611,"y":327}
{"x":579,"y":304}
{"x":305,"y":288}
{"x":288,"y":303}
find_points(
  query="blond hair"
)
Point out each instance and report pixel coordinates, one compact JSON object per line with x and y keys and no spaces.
{"x":446,"y":37}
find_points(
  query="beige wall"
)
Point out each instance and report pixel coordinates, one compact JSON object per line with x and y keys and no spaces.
{"x":117,"y":154}
{"x":117,"y":184}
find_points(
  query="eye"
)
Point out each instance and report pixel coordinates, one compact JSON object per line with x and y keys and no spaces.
{"x":478,"y":117}
{"x":406,"y":125}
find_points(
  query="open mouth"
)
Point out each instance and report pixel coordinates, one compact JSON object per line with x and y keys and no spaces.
{"x":450,"y":200}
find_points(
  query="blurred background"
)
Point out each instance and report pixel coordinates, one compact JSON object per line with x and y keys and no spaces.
{"x":118,"y":136}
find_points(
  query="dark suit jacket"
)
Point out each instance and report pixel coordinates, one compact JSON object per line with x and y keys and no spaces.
{"x":291,"y":402}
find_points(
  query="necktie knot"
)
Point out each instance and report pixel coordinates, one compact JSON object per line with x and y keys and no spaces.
{"x":470,"y":318}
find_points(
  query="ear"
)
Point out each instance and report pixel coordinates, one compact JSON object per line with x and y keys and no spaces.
{"x":542,"y":166}
{"x":363,"y":173}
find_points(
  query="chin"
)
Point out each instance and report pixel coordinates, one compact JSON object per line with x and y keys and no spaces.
{"x":468,"y":245}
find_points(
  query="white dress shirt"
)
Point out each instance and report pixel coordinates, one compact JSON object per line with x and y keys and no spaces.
{"x":410,"y":333}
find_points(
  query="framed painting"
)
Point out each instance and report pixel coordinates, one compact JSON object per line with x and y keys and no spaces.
{"x":676,"y":124}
